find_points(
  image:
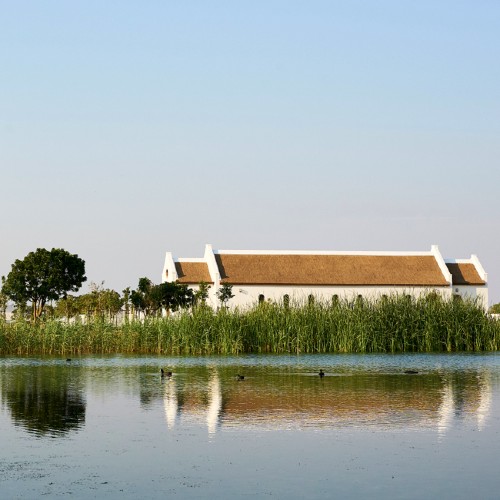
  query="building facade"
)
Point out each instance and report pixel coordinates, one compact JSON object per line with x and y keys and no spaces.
{"x":258,"y":275}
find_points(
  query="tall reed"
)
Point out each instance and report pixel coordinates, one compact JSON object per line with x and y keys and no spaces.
{"x":390,"y":324}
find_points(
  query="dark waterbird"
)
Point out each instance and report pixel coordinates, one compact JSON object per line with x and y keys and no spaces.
{"x":240,"y":377}
{"x":68,"y":360}
{"x":411,"y":372}
{"x":165,"y":374}
{"x":321,"y":373}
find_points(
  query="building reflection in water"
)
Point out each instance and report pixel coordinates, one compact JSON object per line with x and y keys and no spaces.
{"x":214,"y":407}
{"x":446,"y":408}
{"x":485,"y":400}
{"x":286,"y":401}
{"x":44,"y":400}
{"x":170,"y":402}
{"x":203,"y":403}
{"x":466,"y":398}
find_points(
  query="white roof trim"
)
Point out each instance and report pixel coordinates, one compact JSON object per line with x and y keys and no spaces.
{"x":442,"y":264}
{"x":323,"y":252}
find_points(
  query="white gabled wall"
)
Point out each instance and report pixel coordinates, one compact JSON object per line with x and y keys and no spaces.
{"x":213,"y":269}
{"x":479,"y":293}
{"x":482,"y":292}
{"x":474,"y":292}
{"x":169,"y":272}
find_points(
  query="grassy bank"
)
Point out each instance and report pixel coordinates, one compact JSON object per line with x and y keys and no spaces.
{"x":392,"y":324}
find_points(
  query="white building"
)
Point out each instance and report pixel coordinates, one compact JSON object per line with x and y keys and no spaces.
{"x":258,"y":275}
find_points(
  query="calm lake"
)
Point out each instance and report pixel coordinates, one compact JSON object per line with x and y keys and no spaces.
{"x":111,"y":427}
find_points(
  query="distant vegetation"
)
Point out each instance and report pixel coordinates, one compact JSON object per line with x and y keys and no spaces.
{"x":494,"y":309}
{"x":38,"y":286}
{"x":391,"y":324}
{"x":47,"y":320}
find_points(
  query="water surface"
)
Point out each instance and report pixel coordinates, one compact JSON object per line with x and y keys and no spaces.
{"x":112,"y":426}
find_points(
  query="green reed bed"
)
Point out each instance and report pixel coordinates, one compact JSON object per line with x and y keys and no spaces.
{"x":391,"y":324}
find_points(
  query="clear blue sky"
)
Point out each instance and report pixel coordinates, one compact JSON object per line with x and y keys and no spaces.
{"x":130,"y":128}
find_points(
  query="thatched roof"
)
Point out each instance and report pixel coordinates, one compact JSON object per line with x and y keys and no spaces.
{"x":192,"y":272}
{"x":330,"y":270}
{"x":464,"y":274}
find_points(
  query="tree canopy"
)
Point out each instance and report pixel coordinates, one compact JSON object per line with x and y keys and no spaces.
{"x":201,"y":295}
{"x":151,"y":299}
{"x":495,"y":309}
{"x":225,"y":293}
{"x":99,"y":303}
{"x":3,"y":304}
{"x":42,"y":276}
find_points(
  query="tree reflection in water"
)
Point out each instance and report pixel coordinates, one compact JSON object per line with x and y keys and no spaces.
{"x":45,"y":400}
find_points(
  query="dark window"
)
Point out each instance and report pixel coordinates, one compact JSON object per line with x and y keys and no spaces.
{"x":261,"y":298}
{"x":286,"y":300}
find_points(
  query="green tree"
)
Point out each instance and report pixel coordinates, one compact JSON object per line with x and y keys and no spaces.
{"x":225,"y":293}
{"x":3,"y":305}
{"x":48,"y":311}
{"x":150,"y":299}
{"x":20,"y":312}
{"x":126,"y":302}
{"x":173,"y":296}
{"x":112,"y":303}
{"x":85,"y":304}
{"x":201,"y":295}
{"x":67,"y":307}
{"x":99,"y":303}
{"x":42,"y":276}
{"x":495,"y":309}
{"x":103,"y":302}
{"x":141,"y":299}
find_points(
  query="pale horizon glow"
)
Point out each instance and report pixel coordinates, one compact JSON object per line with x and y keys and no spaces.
{"x":131,"y":129}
